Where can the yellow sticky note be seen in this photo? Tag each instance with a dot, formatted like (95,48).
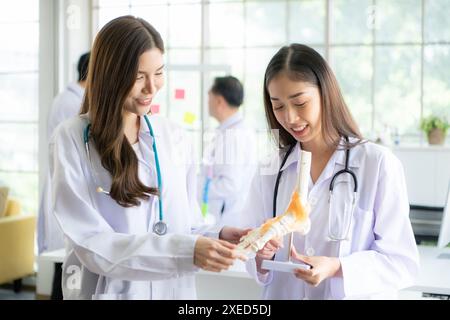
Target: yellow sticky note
(189,117)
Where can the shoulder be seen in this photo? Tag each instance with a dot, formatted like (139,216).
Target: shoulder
(373,155)
(167,128)
(70,129)
(174,137)
(66,97)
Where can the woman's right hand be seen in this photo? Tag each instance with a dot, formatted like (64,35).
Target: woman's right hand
(215,255)
(267,253)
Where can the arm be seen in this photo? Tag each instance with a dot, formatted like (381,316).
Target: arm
(392,260)
(96,244)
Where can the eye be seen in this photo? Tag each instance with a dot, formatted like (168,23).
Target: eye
(159,73)
(277,107)
(140,77)
(300,104)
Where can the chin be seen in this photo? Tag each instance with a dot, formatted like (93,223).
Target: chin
(142,111)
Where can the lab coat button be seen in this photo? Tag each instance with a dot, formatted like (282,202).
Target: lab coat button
(310,252)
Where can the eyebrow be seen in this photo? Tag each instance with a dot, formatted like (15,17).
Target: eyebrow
(290,97)
(159,69)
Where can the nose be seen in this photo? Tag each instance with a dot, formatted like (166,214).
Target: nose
(291,115)
(150,86)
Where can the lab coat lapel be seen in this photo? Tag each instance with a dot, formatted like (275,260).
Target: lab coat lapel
(146,145)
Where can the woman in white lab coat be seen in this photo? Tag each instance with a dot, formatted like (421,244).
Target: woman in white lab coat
(105,183)
(378,255)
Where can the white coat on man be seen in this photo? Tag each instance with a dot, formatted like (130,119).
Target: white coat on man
(231,160)
(66,105)
(111,251)
(381,255)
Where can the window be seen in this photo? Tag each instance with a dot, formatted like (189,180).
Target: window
(19,100)
(390,57)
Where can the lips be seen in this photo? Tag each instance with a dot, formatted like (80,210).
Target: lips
(144,101)
(300,130)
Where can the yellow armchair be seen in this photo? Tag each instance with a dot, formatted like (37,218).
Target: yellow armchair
(16,243)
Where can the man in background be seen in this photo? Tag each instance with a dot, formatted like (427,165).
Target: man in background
(68,103)
(229,162)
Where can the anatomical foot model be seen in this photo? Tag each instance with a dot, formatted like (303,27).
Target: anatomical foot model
(295,218)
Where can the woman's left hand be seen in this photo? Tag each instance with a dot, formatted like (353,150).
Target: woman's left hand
(232,234)
(321,268)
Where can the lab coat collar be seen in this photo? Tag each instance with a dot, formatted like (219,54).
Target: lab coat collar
(231,121)
(144,130)
(338,157)
(355,154)
(292,158)
(76,89)
(145,139)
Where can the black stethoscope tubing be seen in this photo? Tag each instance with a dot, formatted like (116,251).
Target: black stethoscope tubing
(345,170)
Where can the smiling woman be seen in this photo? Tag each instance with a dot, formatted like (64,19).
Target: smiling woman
(360,244)
(128,208)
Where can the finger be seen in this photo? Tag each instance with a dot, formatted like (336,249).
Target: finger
(229,254)
(299,256)
(212,269)
(219,262)
(229,250)
(270,247)
(277,242)
(227,244)
(301,274)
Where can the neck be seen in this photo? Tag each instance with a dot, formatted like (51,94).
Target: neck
(82,84)
(131,126)
(320,154)
(226,114)
(317,147)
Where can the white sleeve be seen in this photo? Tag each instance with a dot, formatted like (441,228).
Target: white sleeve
(392,261)
(253,216)
(198,224)
(234,163)
(102,250)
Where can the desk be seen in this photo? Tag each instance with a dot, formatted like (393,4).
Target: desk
(434,274)
(235,283)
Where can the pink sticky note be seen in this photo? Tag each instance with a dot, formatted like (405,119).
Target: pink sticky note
(154,108)
(179,94)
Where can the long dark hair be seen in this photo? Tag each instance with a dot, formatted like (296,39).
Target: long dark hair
(113,68)
(302,63)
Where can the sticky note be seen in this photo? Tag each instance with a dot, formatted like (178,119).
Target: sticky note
(179,94)
(189,117)
(154,108)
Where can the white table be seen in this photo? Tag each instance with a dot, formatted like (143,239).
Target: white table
(434,274)
(434,278)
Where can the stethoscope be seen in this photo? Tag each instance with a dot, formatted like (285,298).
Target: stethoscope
(347,217)
(159,227)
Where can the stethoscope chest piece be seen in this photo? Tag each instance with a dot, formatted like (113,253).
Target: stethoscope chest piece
(160,228)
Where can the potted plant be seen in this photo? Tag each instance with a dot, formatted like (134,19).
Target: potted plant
(435,128)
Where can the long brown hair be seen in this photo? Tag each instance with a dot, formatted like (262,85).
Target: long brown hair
(302,63)
(113,69)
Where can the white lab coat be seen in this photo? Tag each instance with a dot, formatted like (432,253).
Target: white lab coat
(232,159)
(381,256)
(111,251)
(66,105)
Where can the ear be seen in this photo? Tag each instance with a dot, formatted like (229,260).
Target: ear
(221,101)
